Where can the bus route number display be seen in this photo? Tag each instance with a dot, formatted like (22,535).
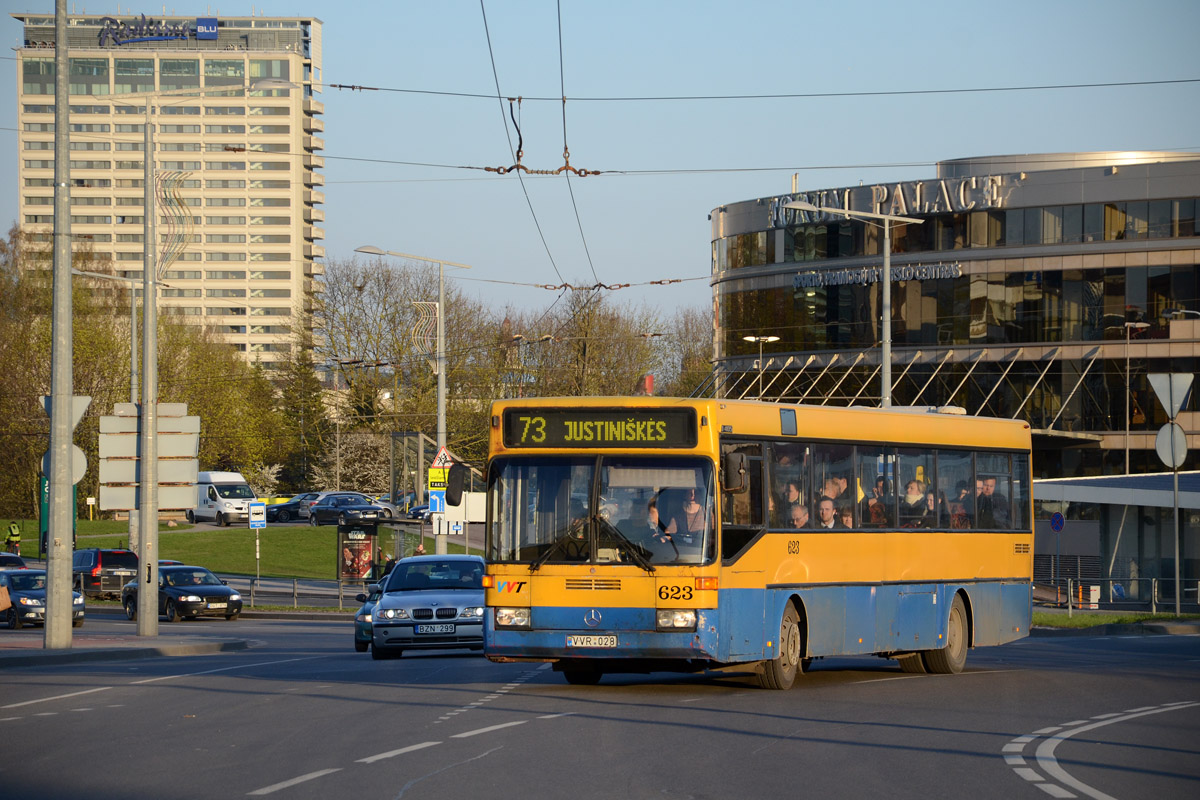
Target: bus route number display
(599,427)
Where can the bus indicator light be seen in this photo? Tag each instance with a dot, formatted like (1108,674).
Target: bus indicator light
(706,584)
(489,581)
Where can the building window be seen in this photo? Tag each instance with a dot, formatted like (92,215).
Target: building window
(176,73)
(133,75)
(89,76)
(224,72)
(226,275)
(38,76)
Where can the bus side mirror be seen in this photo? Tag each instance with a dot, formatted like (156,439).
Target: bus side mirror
(456,478)
(735,477)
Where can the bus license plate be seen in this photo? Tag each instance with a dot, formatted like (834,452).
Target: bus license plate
(591,641)
(435,629)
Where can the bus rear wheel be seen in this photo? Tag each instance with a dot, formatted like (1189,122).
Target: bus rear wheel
(953,657)
(780,672)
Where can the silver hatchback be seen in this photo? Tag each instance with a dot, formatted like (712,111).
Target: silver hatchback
(430,603)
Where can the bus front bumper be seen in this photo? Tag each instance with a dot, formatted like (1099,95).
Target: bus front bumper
(611,642)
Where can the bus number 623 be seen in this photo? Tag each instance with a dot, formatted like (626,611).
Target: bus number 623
(675,593)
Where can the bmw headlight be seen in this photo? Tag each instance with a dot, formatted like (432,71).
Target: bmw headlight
(363,617)
(394,613)
(190,598)
(235,596)
(473,612)
(512,617)
(673,619)
(29,601)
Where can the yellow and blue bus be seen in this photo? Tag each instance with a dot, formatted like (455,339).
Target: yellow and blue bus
(645,534)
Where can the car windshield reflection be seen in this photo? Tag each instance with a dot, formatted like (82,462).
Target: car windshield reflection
(190,577)
(436,575)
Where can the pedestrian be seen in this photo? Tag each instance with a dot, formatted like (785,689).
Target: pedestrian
(420,551)
(12,542)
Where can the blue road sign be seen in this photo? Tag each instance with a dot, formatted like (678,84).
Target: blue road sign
(1057,521)
(258,515)
(437,501)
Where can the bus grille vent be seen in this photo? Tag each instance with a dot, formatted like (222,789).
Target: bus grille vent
(588,584)
(1021,547)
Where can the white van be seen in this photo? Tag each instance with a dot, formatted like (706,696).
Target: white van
(223,497)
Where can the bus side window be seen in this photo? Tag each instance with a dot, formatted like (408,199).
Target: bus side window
(742,512)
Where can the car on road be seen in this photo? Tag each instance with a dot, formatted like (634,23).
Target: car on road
(344,508)
(295,508)
(11,561)
(27,593)
(419,512)
(362,617)
(101,572)
(430,602)
(186,592)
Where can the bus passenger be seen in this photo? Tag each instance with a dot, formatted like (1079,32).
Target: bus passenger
(826,516)
(688,525)
(846,516)
(912,505)
(798,515)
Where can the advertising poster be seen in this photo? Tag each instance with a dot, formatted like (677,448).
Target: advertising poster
(355,546)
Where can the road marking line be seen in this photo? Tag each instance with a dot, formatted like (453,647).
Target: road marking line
(1074,723)
(555,716)
(1014,761)
(1024,739)
(46,714)
(1047,761)
(223,669)
(1045,731)
(1013,748)
(478,731)
(1137,710)
(1107,716)
(56,697)
(400,752)
(1053,789)
(1029,774)
(285,784)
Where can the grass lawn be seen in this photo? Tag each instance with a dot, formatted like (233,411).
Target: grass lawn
(296,551)
(1059,619)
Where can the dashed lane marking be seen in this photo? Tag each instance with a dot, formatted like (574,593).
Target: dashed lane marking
(393,753)
(488,729)
(56,697)
(1056,781)
(303,778)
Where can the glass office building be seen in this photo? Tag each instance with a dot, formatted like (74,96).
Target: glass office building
(1043,287)
(240,223)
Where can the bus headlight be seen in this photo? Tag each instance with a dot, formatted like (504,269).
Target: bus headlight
(512,617)
(675,619)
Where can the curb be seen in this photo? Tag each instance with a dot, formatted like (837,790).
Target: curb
(1124,629)
(82,655)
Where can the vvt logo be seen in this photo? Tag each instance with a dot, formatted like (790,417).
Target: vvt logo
(206,27)
(512,587)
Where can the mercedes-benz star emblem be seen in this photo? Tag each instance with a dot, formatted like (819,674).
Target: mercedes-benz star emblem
(591,618)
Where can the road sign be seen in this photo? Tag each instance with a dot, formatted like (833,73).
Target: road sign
(178,444)
(1057,521)
(1171,445)
(437,501)
(442,459)
(78,463)
(79,404)
(258,515)
(1172,389)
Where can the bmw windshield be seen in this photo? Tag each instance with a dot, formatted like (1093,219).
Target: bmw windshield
(638,510)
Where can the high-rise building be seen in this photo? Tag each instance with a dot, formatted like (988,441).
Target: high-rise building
(240,212)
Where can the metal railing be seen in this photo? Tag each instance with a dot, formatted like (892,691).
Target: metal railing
(1131,594)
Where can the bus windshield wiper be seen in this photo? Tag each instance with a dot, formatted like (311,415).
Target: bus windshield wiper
(630,547)
(554,545)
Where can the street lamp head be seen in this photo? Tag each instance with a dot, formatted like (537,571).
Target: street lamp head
(760,339)
(370,250)
(1176,313)
(1137,326)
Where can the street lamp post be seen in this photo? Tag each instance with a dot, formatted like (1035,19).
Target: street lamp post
(440,546)
(760,340)
(885,349)
(1129,326)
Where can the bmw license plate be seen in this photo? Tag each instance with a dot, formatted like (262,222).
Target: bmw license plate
(216,605)
(435,629)
(592,641)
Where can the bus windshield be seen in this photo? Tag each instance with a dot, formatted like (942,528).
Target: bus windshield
(638,510)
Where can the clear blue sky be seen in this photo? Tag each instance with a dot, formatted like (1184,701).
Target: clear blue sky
(645,227)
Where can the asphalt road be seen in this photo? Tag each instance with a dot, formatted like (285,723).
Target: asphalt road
(301,715)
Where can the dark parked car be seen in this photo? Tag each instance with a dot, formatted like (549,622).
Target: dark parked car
(429,602)
(27,591)
(296,508)
(362,617)
(101,573)
(418,512)
(343,509)
(11,561)
(185,593)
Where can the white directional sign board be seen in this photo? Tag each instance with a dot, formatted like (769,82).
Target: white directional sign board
(178,445)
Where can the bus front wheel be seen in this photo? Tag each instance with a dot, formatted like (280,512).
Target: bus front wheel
(581,675)
(951,658)
(780,672)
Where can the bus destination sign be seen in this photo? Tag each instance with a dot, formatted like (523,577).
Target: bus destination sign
(599,427)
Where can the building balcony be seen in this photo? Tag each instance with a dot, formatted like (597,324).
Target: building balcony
(314,143)
(314,107)
(313,214)
(312,196)
(312,232)
(314,179)
(314,250)
(314,125)
(313,162)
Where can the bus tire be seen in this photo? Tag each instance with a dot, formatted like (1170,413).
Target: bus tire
(780,672)
(950,659)
(582,675)
(912,663)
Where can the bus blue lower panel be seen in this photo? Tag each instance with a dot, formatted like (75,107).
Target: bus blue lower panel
(837,620)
